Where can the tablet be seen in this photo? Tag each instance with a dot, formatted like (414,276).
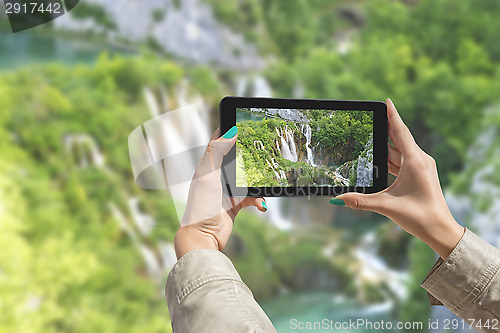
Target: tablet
(296,147)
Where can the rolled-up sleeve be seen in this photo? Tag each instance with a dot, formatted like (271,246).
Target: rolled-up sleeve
(206,294)
(468,282)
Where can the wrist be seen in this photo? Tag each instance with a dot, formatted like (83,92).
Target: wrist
(190,238)
(444,236)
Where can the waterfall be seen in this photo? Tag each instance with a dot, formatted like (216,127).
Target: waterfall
(364,170)
(275,215)
(258,145)
(374,269)
(261,87)
(306,130)
(143,222)
(156,265)
(280,174)
(89,151)
(291,142)
(288,149)
(154,108)
(285,150)
(338,178)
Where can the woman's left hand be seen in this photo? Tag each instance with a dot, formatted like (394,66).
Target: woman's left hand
(209,216)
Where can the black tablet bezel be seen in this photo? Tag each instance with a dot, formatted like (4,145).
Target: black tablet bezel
(227,108)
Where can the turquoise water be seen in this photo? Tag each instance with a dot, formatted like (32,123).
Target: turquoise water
(19,49)
(245,116)
(287,311)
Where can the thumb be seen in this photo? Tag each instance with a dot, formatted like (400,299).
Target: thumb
(374,202)
(223,145)
(216,150)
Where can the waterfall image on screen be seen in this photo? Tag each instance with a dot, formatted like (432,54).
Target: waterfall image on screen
(299,147)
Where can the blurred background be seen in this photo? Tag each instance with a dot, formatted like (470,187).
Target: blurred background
(83,249)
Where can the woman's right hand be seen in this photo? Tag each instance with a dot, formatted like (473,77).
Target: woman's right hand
(415,200)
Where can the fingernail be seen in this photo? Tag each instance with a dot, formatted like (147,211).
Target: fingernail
(264,205)
(231,133)
(337,202)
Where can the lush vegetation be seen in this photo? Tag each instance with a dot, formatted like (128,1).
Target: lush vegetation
(337,137)
(345,128)
(66,264)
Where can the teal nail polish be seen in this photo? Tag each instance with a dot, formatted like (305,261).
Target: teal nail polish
(231,133)
(264,205)
(337,202)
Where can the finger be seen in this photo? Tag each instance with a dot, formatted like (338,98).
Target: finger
(393,169)
(239,203)
(372,202)
(399,133)
(259,203)
(232,205)
(394,156)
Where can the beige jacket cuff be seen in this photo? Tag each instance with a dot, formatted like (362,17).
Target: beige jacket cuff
(196,269)
(205,293)
(467,272)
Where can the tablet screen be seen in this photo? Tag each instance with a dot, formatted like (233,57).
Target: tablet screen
(280,147)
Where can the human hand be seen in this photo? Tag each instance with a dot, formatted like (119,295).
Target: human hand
(415,200)
(208,220)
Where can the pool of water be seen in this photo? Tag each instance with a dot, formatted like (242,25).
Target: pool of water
(23,48)
(287,311)
(245,116)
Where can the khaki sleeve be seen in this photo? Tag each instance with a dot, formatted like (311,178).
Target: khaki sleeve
(206,294)
(468,283)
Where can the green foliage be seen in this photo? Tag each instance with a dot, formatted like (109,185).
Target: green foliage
(73,264)
(204,80)
(258,172)
(158,14)
(90,10)
(344,128)
(436,59)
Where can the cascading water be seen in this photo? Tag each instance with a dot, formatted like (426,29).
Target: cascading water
(89,151)
(288,149)
(291,142)
(374,269)
(280,174)
(285,150)
(257,144)
(306,130)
